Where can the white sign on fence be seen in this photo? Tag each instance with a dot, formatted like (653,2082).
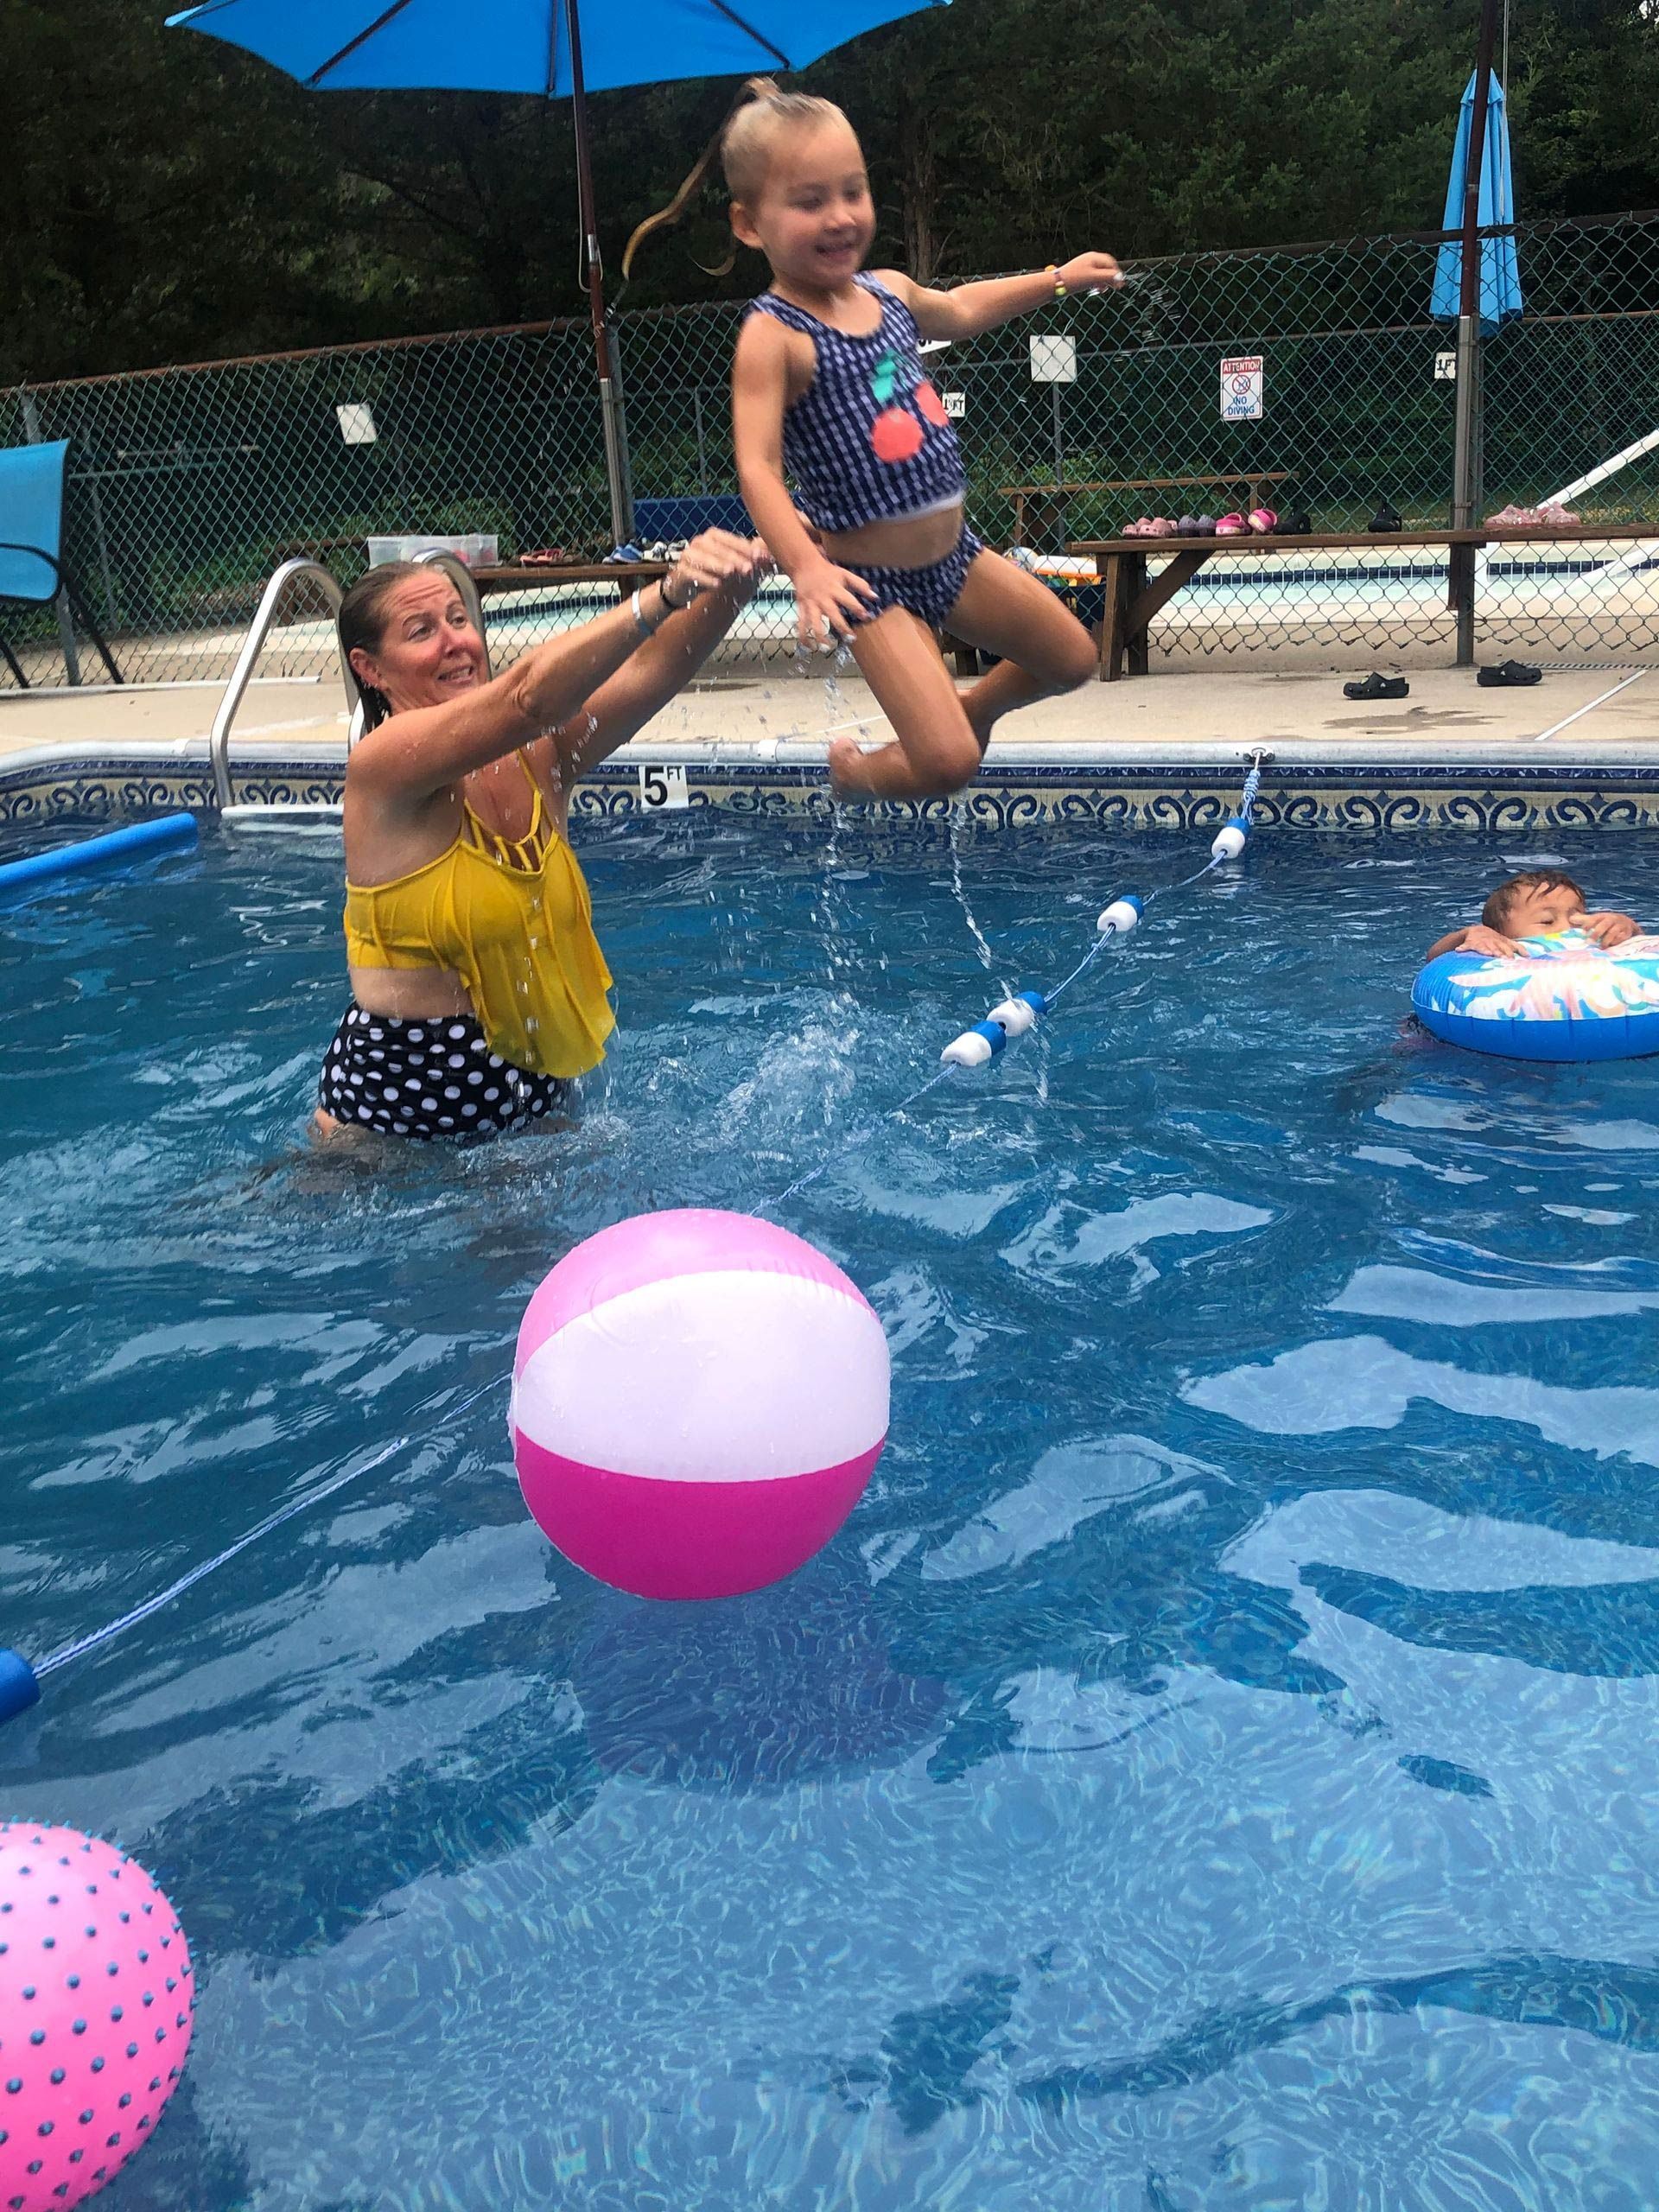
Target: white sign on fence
(1054,360)
(356,420)
(1240,388)
(1445,368)
(955,404)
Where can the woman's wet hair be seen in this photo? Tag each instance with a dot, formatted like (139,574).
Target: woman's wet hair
(362,622)
(1496,912)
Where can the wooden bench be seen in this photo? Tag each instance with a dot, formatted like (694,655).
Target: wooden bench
(1252,482)
(1131,600)
(521,576)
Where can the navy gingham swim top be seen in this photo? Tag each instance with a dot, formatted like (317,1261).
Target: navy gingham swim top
(868,439)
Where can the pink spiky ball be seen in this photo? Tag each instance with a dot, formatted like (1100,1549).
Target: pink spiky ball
(96,1996)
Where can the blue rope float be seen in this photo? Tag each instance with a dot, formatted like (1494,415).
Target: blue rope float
(978,1046)
(19,1682)
(1014,1016)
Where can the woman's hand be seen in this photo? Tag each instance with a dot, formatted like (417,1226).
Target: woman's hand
(716,561)
(830,603)
(1090,272)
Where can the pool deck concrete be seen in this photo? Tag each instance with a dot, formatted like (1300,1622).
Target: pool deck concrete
(1581,715)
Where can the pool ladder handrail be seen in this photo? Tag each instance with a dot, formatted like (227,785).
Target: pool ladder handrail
(282,583)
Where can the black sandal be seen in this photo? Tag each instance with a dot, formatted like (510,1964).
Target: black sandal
(1386,518)
(1378,687)
(1509,675)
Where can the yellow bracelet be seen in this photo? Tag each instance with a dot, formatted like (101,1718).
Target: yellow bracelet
(1059,280)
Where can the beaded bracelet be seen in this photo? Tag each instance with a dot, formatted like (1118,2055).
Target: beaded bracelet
(1059,280)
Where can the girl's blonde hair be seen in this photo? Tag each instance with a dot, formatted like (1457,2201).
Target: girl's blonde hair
(755,121)
(765,113)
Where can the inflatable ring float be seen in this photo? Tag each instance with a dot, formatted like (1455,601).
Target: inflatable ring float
(1562,998)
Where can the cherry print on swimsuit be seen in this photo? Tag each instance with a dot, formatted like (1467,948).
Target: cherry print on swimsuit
(896,435)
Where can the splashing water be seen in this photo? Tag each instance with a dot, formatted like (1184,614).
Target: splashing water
(987,958)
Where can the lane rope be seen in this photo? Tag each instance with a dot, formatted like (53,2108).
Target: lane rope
(1019,1013)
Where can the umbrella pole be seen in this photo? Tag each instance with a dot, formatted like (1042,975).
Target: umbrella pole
(610,399)
(1466,461)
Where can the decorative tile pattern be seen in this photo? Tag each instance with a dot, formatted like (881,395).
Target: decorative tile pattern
(1527,797)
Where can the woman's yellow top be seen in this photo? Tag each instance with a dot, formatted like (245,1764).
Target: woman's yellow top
(513,918)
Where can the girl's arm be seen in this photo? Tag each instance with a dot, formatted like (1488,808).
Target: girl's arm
(625,702)
(971,309)
(824,594)
(418,753)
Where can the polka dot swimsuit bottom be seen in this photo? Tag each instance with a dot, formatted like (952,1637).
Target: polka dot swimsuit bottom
(435,1077)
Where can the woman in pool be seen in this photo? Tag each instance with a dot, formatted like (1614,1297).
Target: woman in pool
(478,990)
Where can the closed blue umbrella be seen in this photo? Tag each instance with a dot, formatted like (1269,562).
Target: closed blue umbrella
(1500,271)
(561,48)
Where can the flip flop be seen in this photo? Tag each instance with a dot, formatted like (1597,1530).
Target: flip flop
(1377,687)
(1300,525)
(1386,518)
(1509,675)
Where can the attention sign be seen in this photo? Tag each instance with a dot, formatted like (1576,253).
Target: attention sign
(1240,388)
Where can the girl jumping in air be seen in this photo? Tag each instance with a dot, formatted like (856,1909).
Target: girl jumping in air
(828,383)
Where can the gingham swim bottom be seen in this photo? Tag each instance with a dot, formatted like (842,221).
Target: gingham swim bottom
(432,1078)
(929,593)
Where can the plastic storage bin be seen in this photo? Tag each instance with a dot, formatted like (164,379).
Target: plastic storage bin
(476,550)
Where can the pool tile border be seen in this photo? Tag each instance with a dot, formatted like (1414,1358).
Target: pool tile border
(1360,795)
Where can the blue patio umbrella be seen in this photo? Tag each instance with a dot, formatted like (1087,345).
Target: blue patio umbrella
(560,49)
(1500,271)
(535,45)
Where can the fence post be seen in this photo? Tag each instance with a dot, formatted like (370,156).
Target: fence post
(60,603)
(618,467)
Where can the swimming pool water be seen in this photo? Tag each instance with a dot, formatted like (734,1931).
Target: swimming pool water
(1213,1769)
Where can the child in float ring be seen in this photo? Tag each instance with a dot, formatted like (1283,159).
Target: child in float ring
(1539,902)
(827,383)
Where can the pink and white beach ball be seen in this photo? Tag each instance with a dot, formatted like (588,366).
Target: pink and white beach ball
(698,1401)
(95,2001)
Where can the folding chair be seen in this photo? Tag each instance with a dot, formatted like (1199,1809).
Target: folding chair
(32,571)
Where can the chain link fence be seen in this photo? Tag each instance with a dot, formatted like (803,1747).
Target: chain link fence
(187,485)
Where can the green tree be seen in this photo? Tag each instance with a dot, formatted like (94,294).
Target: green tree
(174,199)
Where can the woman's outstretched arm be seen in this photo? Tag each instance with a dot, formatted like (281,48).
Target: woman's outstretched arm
(421,752)
(661,669)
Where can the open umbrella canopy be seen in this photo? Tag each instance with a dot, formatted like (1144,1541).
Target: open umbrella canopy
(522,46)
(1500,271)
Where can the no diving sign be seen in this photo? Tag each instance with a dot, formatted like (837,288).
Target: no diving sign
(1240,388)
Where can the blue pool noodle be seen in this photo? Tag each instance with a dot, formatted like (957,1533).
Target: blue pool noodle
(18,1687)
(165,834)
